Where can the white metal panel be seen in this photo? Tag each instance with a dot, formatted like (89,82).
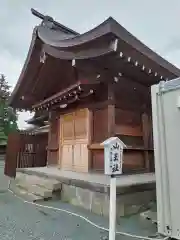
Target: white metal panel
(166,131)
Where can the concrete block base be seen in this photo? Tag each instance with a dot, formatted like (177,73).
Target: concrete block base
(127,204)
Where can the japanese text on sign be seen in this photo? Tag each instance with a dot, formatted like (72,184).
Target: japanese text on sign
(115,159)
(113,154)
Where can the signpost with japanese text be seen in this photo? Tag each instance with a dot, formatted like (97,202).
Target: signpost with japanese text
(113,161)
(113,156)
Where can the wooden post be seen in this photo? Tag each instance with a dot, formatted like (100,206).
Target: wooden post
(112,209)
(90,134)
(113,153)
(145,127)
(53,140)
(111,111)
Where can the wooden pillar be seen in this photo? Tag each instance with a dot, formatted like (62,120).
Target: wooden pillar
(90,134)
(111,111)
(53,140)
(145,128)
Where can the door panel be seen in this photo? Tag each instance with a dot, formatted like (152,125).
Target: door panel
(67,156)
(80,124)
(80,157)
(67,127)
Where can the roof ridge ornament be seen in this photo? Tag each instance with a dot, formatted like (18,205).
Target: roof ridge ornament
(50,22)
(46,20)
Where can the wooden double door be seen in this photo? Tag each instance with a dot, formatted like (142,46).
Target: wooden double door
(74,140)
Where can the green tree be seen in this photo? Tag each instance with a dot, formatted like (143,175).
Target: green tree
(8,117)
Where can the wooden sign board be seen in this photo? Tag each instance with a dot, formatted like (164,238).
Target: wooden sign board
(113,156)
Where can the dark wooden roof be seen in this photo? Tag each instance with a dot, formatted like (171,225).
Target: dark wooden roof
(39,118)
(109,46)
(110,26)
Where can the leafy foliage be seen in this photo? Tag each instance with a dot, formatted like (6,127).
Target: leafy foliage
(8,117)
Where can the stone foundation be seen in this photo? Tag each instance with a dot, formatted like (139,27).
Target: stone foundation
(94,196)
(127,202)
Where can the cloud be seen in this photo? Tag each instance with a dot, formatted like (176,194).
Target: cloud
(173,45)
(154,22)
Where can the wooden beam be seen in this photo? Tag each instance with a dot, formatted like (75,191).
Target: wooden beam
(98,146)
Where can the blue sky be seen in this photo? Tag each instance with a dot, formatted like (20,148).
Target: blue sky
(155,22)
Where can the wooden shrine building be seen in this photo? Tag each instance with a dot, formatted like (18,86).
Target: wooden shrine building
(93,86)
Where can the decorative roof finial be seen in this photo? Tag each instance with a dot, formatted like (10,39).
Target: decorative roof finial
(46,20)
(50,22)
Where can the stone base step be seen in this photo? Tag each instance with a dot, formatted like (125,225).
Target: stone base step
(24,194)
(35,189)
(49,184)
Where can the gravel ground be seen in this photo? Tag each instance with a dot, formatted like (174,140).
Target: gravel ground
(22,221)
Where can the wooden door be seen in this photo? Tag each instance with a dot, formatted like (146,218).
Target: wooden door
(74,141)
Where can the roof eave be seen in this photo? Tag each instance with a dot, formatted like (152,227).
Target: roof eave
(24,69)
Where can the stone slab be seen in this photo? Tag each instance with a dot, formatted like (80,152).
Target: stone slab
(36,190)
(24,194)
(96,180)
(25,179)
